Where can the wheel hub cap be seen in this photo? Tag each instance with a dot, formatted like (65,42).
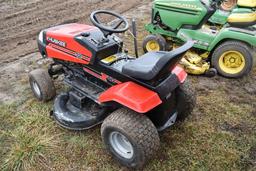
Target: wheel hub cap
(121,145)
(152,46)
(36,89)
(232,62)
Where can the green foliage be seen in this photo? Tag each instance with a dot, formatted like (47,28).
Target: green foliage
(26,140)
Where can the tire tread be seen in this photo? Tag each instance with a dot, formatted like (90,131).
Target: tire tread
(45,83)
(139,127)
(229,45)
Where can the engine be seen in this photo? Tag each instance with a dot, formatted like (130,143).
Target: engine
(77,43)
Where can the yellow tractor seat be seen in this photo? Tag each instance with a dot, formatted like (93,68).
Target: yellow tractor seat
(247,3)
(242,19)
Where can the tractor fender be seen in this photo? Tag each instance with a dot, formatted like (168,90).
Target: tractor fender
(234,34)
(131,95)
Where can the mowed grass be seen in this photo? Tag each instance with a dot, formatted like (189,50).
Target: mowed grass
(219,135)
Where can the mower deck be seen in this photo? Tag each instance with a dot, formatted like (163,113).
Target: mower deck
(70,116)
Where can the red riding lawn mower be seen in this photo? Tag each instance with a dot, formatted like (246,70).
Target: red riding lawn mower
(135,98)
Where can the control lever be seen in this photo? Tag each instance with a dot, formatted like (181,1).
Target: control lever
(102,41)
(134,32)
(126,54)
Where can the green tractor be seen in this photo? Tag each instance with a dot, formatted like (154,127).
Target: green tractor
(224,33)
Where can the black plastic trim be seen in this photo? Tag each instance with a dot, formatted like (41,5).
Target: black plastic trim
(99,51)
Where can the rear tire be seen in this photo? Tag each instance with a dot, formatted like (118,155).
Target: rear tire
(42,85)
(154,43)
(140,137)
(233,59)
(186,100)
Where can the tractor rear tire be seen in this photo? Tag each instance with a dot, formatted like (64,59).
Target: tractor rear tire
(130,137)
(42,85)
(158,43)
(227,50)
(186,100)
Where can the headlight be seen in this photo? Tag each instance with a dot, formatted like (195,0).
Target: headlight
(41,36)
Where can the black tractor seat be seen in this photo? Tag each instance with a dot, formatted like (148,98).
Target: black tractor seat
(149,65)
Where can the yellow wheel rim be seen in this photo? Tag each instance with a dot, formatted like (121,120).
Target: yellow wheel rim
(152,45)
(232,62)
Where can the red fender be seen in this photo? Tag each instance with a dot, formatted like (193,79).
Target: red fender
(133,96)
(180,73)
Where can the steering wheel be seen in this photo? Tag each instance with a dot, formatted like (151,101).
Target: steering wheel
(110,29)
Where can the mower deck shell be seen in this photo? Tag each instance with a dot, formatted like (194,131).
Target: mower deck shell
(71,117)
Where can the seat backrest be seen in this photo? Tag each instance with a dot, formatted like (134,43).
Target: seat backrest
(170,59)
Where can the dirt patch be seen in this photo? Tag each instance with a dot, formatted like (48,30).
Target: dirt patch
(237,128)
(22,20)
(14,78)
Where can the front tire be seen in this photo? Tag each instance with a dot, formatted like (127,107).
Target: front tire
(154,43)
(233,59)
(186,100)
(130,137)
(42,85)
